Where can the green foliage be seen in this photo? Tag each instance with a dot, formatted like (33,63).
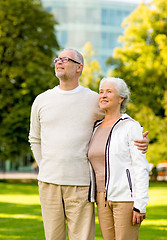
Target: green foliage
(27,43)
(142,62)
(143,56)
(92,73)
(157,133)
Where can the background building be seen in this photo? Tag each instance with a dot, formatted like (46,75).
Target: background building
(94,21)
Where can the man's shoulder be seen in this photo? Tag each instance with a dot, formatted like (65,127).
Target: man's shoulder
(42,97)
(46,93)
(90,92)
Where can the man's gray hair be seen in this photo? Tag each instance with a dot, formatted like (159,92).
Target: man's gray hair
(78,56)
(121,88)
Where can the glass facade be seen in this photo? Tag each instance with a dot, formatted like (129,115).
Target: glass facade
(94,21)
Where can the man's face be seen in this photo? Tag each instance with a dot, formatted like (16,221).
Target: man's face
(68,69)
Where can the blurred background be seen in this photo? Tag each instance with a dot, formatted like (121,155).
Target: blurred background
(121,38)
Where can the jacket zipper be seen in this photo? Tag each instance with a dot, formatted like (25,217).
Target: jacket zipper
(129,181)
(107,164)
(91,189)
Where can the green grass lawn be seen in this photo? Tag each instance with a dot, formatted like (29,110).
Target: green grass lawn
(20,213)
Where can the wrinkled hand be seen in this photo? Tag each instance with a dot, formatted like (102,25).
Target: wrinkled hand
(143,143)
(138,217)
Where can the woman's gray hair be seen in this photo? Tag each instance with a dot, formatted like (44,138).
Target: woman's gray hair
(121,88)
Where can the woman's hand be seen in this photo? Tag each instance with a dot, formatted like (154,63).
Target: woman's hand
(143,143)
(138,217)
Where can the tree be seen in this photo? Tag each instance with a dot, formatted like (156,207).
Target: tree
(92,72)
(27,44)
(142,62)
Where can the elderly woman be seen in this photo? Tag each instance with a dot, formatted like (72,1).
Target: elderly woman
(121,170)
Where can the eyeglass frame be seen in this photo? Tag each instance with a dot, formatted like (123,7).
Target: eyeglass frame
(67,59)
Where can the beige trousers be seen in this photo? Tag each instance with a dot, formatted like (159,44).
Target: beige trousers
(61,204)
(115,219)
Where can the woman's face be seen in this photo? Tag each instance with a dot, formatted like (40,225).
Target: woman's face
(109,98)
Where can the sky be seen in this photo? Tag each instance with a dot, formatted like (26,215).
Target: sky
(129,1)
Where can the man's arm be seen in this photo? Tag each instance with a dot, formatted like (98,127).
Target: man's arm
(35,134)
(143,143)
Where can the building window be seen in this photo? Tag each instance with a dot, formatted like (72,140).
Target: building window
(104,16)
(112,17)
(104,40)
(112,40)
(64,37)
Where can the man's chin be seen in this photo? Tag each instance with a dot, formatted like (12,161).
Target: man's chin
(58,74)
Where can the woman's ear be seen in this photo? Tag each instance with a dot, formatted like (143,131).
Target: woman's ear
(121,99)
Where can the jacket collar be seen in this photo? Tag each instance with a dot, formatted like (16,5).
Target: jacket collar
(123,117)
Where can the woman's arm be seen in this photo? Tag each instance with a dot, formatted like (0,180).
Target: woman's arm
(138,217)
(140,168)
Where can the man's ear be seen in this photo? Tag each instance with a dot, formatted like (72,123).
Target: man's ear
(79,68)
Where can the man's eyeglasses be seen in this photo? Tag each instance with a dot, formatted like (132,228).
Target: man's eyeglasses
(65,60)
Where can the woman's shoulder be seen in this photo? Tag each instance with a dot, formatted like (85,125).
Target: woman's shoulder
(130,121)
(131,126)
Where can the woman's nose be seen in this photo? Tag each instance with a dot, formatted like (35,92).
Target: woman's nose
(103,95)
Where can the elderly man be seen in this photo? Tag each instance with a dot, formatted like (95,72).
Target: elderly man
(62,119)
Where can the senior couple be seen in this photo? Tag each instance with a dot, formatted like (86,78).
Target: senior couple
(85,156)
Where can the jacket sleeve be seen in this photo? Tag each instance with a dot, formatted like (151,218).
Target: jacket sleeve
(34,134)
(140,168)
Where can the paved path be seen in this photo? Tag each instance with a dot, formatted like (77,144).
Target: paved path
(18,175)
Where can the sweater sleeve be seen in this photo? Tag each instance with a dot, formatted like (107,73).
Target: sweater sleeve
(141,169)
(34,134)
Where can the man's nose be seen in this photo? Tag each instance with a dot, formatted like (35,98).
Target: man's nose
(59,60)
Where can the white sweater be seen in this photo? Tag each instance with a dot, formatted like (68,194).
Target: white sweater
(60,129)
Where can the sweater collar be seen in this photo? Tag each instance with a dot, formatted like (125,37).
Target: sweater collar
(75,90)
